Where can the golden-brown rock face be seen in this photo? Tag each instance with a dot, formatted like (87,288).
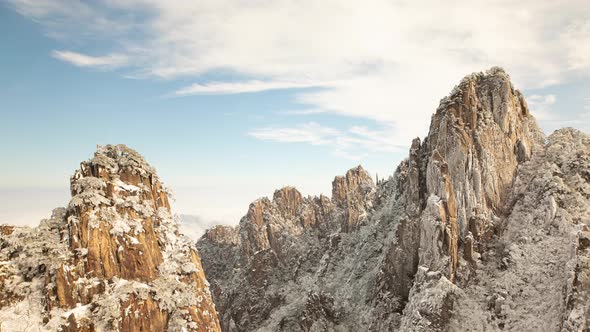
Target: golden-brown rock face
(122,264)
(350,192)
(268,223)
(478,137)
(223,235)
(6,230)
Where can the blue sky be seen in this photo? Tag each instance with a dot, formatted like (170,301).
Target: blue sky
(230,100)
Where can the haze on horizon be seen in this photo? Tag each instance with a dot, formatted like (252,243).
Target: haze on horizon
(231,100)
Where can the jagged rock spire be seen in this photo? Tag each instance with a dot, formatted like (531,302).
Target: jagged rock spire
(479,135)
(266,237)
(123,265)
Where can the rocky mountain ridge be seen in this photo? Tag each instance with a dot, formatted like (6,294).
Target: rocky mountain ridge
(484,227)
(433,247)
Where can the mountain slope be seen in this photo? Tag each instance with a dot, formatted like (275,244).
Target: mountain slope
(435,247)
(112,261)
(536,277)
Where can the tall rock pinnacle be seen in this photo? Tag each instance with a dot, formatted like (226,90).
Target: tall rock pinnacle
(117,260)
(478,137)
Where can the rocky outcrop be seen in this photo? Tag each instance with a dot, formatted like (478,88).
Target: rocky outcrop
(271,224)
(467,164)
(114,260)
(353,193)
(477,138)
(450,238)
(270,246)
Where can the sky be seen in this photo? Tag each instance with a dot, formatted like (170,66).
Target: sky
(230,99)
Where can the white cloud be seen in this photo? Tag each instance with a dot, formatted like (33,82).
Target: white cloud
(74,21)
(311,133)
(307,111)
(577,40)
(389,61)
(82,60)
(549,99)
(195,226)
(353,143)
(540,106)
(221,88)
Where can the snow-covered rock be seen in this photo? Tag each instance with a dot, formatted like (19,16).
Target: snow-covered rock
(114,260)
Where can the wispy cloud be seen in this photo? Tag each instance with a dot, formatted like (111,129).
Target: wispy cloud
(223,88)
(353,143)
(391,61)
(311,133)
(577,38)
(540,106)
(83,60)
(307,111)
(84,21)
(195,226)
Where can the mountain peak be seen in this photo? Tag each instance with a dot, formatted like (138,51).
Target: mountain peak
(118,260)
(457,213)
(481,97)
(477,138)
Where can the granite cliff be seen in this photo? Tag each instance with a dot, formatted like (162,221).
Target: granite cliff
(113,260)
(482,228)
